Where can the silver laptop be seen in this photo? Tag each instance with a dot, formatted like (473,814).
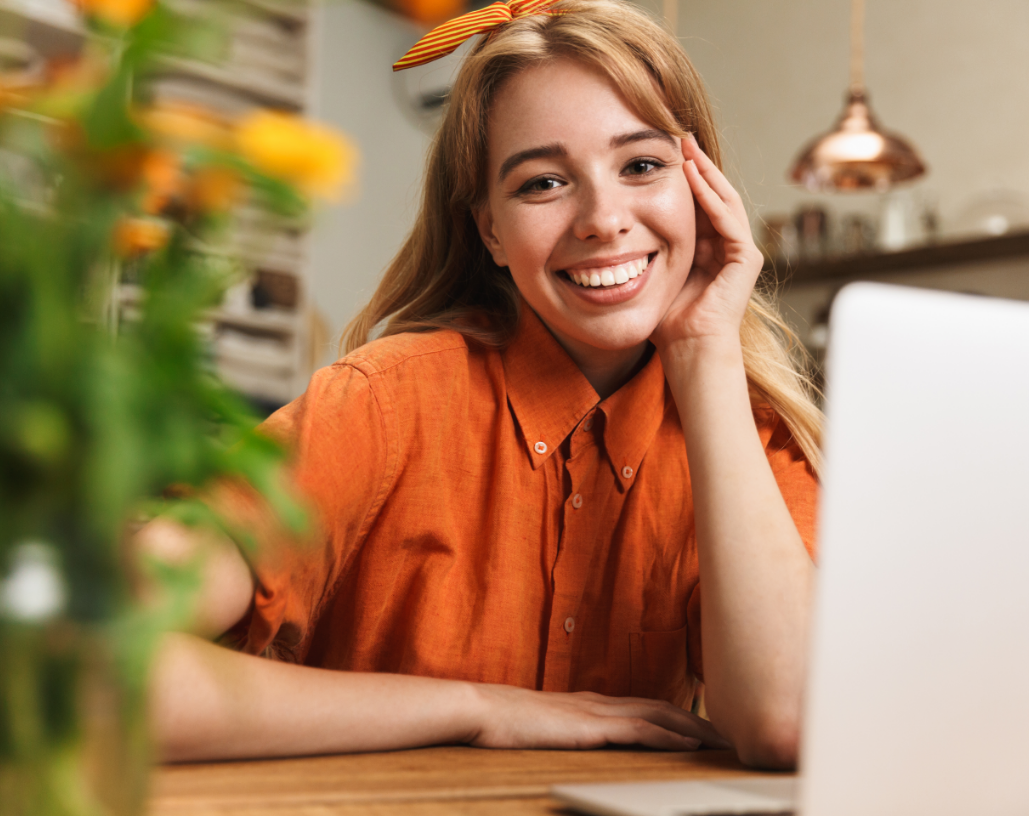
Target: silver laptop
(918,694)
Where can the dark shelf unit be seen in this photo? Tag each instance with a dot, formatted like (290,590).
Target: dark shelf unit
(931,256)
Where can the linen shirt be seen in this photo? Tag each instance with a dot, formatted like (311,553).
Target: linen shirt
(485,516)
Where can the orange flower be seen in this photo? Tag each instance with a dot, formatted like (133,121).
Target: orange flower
(213,189)
(162,177)
(431,11)
(118,13)
(135,236)
(313,157)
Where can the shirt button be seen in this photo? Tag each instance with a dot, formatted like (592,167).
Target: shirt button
(576,503)
(540,448)
(627,472)
(588,423)
(569,625)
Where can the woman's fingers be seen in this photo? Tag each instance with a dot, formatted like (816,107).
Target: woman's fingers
(713,176)
(671,718)
(519,718)
(640,731)
(722,218)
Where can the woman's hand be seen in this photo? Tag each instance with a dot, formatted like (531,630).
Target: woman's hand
(726,262)
(513,717)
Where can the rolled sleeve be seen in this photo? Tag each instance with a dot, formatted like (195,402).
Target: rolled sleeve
(339,461)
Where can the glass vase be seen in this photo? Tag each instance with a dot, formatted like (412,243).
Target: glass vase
(73,728)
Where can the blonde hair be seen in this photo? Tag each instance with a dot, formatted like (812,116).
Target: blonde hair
(443,276)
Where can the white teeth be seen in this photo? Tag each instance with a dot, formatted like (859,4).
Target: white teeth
(610,275)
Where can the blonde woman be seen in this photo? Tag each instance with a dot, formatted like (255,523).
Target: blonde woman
(577,415)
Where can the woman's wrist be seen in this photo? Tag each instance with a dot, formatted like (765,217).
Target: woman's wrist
(475,710)
(686,354)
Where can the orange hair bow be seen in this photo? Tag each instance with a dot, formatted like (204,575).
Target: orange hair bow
(447,37)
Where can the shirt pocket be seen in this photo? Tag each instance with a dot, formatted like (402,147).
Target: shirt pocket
(657,667)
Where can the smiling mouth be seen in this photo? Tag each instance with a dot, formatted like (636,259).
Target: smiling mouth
(601,277)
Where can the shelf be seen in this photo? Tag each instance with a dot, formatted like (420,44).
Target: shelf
(279,94)
(296,12)
(281,322)
(275,321)
(58,35)
(254,259)
(54,30)
(260,386)
(51,33)
(279,367)
(933,256)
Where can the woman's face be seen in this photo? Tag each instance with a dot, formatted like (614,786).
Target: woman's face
(588,207)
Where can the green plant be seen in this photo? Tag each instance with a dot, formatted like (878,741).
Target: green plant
(99,416)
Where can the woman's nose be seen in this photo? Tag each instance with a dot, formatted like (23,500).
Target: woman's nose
(604,213)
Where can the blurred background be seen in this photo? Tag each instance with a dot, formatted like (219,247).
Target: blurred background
(947,76)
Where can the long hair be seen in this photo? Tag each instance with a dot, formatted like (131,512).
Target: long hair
(443,276)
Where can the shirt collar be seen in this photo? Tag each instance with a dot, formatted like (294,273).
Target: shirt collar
(550,396)
(547,392)
(632,416)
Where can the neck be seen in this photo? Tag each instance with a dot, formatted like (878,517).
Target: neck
(607,370)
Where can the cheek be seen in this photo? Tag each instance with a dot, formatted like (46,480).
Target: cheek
(675,216)
(531,234)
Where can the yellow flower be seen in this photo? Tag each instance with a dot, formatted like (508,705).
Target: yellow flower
(313,157)
(119,13)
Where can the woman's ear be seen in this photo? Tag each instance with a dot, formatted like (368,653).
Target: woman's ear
(484,221)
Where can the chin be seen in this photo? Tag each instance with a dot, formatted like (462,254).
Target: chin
(619,337)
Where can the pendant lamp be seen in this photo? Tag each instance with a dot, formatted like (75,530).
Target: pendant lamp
(856,154)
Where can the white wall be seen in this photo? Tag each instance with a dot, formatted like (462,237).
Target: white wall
(357,44)
(949,75)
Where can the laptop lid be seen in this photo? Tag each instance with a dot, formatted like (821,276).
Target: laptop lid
(918,697)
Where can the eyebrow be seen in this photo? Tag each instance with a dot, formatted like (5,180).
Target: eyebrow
(641,136)
(546,152)
(557,149)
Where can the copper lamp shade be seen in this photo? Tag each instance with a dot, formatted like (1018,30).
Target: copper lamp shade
(856,154)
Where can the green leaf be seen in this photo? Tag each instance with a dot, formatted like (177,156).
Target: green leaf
(107,122)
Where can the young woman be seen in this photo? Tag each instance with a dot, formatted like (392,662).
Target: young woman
(578,413)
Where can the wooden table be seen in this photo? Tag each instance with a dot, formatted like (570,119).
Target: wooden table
(425,782)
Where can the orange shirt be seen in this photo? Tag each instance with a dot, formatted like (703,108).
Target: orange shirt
(487,517)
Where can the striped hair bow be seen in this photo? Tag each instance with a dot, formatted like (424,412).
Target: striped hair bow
(447,37)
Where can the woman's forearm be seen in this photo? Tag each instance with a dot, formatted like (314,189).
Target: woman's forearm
(209,703)
(213,703)
(756,575)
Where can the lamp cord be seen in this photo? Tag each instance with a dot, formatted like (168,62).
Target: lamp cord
(857,46)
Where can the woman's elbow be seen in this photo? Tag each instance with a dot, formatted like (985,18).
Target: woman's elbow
(772,742)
